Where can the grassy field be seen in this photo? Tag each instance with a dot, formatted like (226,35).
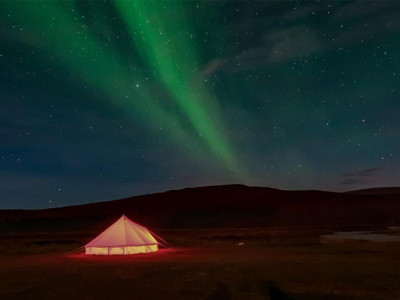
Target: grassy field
(203,264)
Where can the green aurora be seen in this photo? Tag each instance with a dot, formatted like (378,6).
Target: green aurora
(192,118)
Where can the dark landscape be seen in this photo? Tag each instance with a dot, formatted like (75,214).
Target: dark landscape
(199,150)
(226,242)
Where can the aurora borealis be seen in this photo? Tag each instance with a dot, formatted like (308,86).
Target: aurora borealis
(107,99)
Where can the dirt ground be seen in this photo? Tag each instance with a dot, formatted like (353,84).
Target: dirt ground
(208,264)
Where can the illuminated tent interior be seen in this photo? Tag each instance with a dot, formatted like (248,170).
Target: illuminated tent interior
(122,238)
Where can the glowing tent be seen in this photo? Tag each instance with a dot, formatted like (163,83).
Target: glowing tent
(121,238)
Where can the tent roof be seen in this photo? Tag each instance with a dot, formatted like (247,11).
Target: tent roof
(123,232)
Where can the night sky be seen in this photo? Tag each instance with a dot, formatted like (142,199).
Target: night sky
(103,100)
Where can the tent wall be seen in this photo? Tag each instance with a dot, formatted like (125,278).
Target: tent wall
(120,250)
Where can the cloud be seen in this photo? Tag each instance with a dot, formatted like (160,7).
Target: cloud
(294,35)
(291,43)
(280,46)
(302,12)
(359,177)
(353,181)
(213,66)
(363,173)
(364,9)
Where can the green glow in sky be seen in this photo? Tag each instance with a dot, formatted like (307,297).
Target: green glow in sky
(193,120)
(167,46)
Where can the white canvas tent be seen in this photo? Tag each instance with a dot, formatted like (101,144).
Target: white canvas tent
(121,238)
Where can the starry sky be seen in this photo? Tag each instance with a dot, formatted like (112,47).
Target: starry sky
(101,100)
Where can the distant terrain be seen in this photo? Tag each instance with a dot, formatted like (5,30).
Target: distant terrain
(224,206)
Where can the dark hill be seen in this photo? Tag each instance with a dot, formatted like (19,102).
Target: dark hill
(216,206)
(381,191)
